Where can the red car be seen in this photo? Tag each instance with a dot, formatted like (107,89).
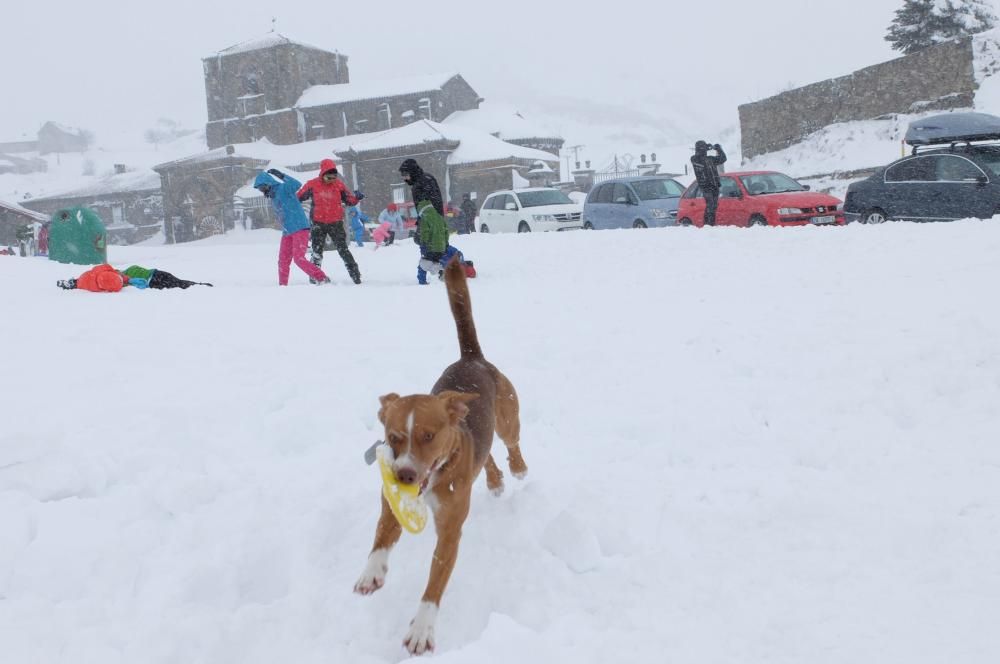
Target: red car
(762,198)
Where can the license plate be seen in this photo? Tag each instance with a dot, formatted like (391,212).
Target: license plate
(824,220)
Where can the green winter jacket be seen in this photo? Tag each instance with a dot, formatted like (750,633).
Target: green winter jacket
(138,272)
(433,229)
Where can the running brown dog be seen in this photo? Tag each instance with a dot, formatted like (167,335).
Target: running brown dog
(440,441)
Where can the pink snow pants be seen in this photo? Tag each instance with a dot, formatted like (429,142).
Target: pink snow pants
(293,247)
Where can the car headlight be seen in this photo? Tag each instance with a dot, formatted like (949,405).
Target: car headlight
(789,211)
(543,217)
(659,214)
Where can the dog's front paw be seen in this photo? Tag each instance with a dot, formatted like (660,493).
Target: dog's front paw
(420,638)
(373,577)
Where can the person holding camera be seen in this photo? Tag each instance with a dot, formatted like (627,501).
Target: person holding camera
(706,170)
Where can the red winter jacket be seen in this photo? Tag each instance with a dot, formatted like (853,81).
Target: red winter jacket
(102,279)
(327,197)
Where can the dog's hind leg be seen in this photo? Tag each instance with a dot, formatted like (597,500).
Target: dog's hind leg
(509,424)
(494,478)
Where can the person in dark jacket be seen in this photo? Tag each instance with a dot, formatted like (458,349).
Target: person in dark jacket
(328,194)
(432,230)
(706,170)
(468,215)
(423,186)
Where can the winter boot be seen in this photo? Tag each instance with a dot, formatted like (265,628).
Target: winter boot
(320,282)
(67,284)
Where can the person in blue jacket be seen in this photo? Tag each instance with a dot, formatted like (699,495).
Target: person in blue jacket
(282,190)
(358,221)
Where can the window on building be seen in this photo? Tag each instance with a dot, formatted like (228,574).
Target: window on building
(251,84)
(117,215)
(424,108)
(399,194)
(360,126)
(384,117)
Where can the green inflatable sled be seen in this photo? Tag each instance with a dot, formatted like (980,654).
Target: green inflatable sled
(77,235)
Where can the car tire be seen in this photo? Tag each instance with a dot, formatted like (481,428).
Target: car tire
(757,220)
(874,216)
(484,229)
(638,223)
(587,226)
(686,222)
(523,227)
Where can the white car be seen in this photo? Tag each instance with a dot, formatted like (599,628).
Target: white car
(529,210)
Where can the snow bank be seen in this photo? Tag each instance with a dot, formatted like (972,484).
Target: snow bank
(771,445)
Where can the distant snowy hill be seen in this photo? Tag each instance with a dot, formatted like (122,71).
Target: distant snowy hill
(78,170)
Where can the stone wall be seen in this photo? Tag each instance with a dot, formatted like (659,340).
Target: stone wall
(939,77)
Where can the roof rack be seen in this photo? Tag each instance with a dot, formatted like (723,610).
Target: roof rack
(953,144)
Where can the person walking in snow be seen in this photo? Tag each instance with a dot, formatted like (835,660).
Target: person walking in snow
(468,215)
(358,221)
(282,190)
(328,194)
(397,224)
(706,170)
(432,229)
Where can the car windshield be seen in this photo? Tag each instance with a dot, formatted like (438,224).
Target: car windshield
(989,157)
(651,190)
(770,183)
(539,198)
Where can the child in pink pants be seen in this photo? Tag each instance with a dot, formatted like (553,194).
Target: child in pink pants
(293,248)
(282,190)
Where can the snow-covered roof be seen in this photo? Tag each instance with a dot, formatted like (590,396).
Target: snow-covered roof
(323,95)
(267,152)
(66,129)
(266,41)
(14,207)
(505,122)
(474,145)
(141,180)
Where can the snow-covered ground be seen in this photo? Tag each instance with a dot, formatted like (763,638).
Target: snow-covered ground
(774,445)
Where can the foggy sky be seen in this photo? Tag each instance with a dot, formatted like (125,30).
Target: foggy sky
(114,66)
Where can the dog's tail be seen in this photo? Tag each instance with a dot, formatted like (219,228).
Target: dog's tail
(461,309)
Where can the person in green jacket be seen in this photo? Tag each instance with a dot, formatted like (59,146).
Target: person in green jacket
(158,279)
(432,236)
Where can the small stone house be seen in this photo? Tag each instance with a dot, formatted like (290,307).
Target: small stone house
(129,203)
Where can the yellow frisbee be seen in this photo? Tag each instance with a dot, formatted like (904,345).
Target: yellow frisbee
(404,499)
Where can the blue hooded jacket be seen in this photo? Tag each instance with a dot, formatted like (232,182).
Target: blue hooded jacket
(286,202)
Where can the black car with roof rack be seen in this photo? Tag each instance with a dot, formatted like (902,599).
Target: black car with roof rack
(952,172)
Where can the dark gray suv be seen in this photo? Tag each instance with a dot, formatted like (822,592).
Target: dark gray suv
(957,180)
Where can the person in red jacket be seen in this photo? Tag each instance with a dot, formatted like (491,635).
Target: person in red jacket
(100,279)
(328,193)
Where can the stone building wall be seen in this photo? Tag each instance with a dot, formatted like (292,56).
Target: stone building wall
(936,78)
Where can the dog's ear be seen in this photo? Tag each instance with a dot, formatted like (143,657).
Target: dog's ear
(386,400)
(454,403)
